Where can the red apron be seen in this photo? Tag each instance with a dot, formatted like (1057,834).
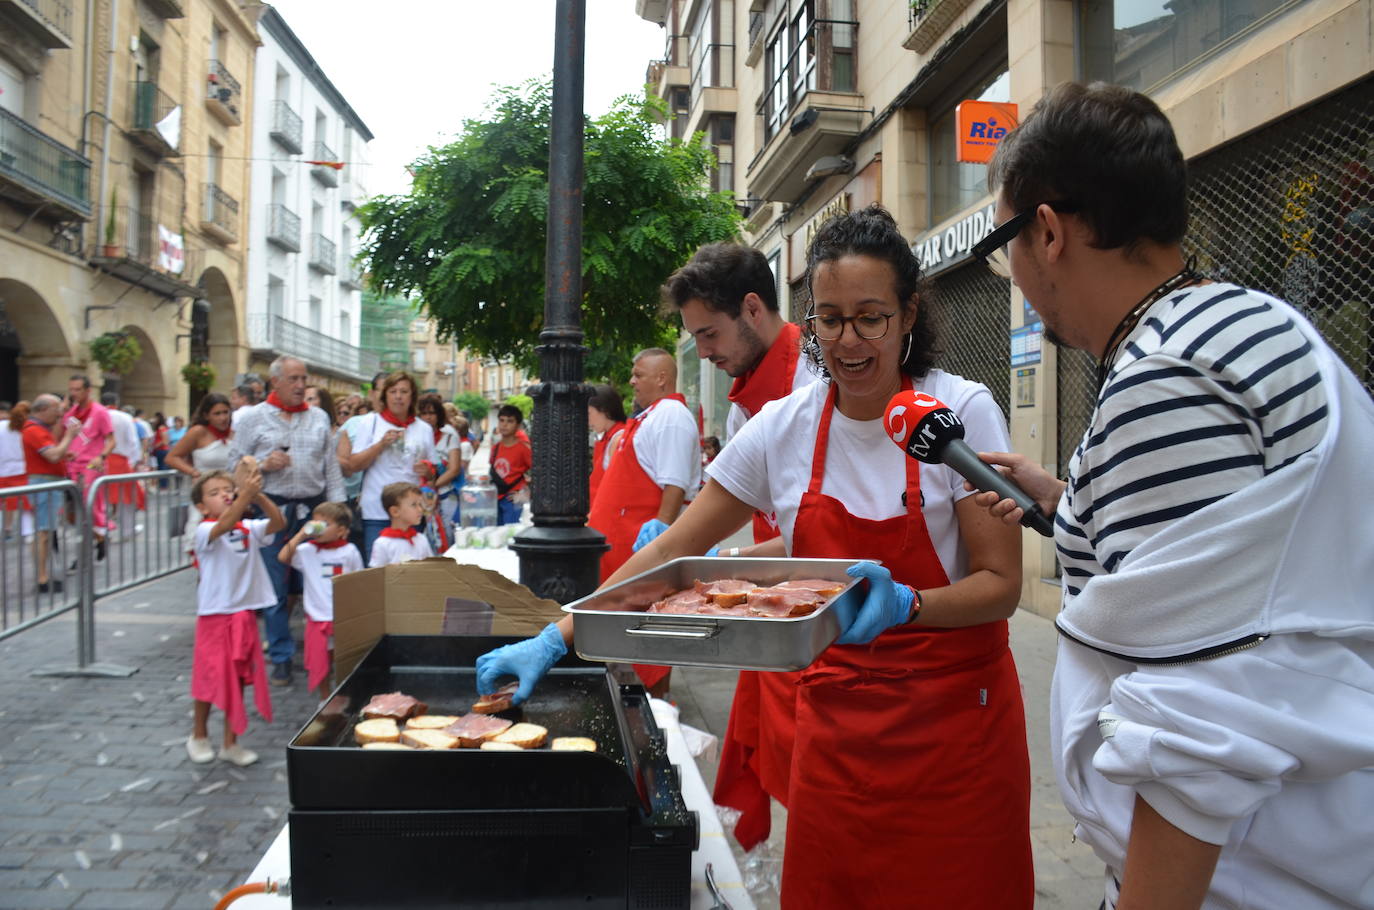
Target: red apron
(128,493)
(755,764)
(910,778)
(599,459)
(625,500)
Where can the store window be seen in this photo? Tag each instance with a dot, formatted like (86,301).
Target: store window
(955,185)
(1141,43)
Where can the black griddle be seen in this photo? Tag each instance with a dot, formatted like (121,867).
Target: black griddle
(533,829)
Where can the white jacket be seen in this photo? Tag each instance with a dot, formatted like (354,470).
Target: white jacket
(1267,749)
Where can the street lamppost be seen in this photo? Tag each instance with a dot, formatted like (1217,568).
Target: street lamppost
(560,556)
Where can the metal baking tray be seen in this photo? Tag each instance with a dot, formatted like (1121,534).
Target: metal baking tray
(612,625)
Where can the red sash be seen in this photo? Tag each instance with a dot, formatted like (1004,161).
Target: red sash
(276,402)
(599,459)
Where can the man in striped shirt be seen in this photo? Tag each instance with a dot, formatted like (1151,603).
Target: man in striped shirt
(1214,688)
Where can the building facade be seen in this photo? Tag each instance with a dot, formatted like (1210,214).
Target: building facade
(308,176)
(822,106)
(123,163)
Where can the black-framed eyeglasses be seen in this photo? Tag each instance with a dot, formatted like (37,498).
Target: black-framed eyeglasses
(992,249)
(869,326)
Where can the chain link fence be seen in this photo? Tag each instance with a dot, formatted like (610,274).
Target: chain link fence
(971,307)
(1289,210)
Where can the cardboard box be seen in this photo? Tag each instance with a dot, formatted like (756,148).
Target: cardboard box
(434,596)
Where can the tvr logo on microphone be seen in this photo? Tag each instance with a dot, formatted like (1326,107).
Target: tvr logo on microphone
(896,427)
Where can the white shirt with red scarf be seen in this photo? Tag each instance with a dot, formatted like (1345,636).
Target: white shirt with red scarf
(389,549)
(318,566)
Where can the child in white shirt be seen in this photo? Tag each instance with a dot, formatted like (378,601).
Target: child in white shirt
(402,541)
(233,583)
(320,551)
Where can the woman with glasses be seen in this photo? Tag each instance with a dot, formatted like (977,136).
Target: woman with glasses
(906,775)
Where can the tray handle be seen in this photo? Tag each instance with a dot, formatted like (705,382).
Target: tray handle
(700,634)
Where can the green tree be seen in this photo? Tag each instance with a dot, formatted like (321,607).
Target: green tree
(469,239)
(472,403)
(524,402)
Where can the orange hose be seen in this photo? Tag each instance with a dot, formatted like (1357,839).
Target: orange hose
(240,891)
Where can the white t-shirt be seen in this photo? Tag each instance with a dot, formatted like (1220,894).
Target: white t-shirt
(232,574)
(11,451)
(126,436)
(318,567)
(393,465)
(443,449)
(388,550)
(768,465)
(802,376)
(668,446)
(235,415)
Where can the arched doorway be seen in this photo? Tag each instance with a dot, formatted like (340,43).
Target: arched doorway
(34,353)
(144,386)
(215,331)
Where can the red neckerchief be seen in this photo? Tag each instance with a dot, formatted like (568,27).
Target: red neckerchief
(408,535)
(332,545)
(394,420)
(276,402)
(82,413)
(221,435)
(438,435)
(771,378)
(238,526)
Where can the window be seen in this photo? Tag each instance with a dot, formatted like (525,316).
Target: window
(955,185)
(722,137)
(276,297)
(417,359)
(316,314)
(345,328)
(12,88)
(805,54)
(1141,43)
(711,49)
(283,85)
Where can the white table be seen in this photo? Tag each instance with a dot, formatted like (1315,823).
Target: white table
(276,862)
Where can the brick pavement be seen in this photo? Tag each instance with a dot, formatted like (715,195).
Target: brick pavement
(100,808)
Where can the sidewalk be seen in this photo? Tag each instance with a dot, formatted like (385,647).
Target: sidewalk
(100,808)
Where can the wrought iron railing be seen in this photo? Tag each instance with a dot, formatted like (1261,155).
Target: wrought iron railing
(323,253)
(324,174)
(283,228)
(151,106)
(277,334)
(43,165)
(56,13)
(221,210)
(350,273)
(223,87)
(287,127)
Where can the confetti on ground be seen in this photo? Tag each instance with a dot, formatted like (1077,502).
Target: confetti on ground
(117,633)
(271,813)
(82,859)
(101,760)
(138,697)
(21,781)
(136,784)
(237,775)
(116,842)
(201,857)
(211,788)
(98,799)
(62,880)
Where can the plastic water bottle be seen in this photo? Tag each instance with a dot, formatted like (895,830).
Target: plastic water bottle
(478,498)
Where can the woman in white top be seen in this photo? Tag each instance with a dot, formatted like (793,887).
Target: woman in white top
(205,447)
(12,470)
(390,446)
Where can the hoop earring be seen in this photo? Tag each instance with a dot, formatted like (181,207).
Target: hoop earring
(907,351)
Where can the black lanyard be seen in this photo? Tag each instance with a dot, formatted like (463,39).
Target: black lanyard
(1183,277)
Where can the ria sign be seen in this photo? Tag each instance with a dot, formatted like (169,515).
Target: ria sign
(981,125)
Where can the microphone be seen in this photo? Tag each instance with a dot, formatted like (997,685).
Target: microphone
(932,433)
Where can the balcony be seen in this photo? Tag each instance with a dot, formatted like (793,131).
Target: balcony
(274,336)
(152,127)
(141,259)
(323,254)
(286,129)
(713,84)
(350,274)
(755,44)
(671,72)
(928,20)
(220,217)
(283,228)
(326,176)
(36,169)
(167,9)
(809,110)
(223,95)
(46,22)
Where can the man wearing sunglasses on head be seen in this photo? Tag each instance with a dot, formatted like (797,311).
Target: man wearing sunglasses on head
(1214,688)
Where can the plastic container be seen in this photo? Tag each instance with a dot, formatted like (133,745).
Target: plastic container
(477,501)
(314,528)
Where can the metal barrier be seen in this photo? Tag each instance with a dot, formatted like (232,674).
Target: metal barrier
(140,549)
(23,603)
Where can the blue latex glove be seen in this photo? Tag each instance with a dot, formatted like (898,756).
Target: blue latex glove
(888,604)
(714,551)
(648,531)
(527,660)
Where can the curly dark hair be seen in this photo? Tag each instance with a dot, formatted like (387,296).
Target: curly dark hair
(873,232)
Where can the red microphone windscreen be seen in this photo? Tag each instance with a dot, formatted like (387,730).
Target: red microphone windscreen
(905,411)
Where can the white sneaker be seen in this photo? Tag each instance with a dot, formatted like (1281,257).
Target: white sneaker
(200,750)
(238,755)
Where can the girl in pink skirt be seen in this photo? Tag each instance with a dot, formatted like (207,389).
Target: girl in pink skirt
(233,583)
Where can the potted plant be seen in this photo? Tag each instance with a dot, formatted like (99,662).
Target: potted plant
(111,249)
(199,375)
(116,352)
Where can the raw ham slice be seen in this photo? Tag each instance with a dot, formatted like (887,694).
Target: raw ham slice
(396,705)
(780,601)
(824,587)
(474,729)
(681,603)
(727,592)
(497,701)
(710,609)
